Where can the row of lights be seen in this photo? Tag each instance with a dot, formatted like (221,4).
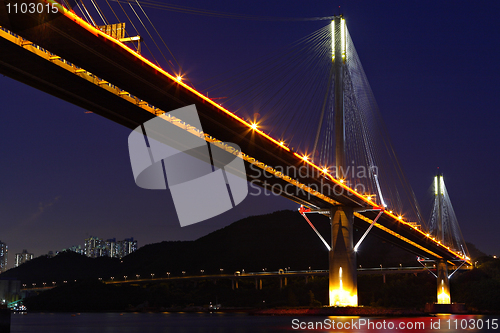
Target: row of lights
(254,125)
(368,198)
(179,79)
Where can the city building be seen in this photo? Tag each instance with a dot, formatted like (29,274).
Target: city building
(126,247)
(21,258)
(96,247)
(93,247)
(4,250)
(77,248)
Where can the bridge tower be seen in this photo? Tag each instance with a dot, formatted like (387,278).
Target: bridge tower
(343,290)
(443,284)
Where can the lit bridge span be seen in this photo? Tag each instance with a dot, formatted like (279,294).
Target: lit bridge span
(65,56)
(242,276)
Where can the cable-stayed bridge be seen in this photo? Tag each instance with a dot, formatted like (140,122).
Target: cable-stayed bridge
(348,172)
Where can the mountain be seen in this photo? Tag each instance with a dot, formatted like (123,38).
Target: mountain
(278,240)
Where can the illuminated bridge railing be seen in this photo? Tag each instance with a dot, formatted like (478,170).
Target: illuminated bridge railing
(366,200)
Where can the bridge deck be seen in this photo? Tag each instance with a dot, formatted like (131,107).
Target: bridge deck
(108,60)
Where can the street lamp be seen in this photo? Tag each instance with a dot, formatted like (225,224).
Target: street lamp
(380,266)
(183,272)
(221,270)
(152,276)
(168,274)
(137,276)
(112,278)
(125,277)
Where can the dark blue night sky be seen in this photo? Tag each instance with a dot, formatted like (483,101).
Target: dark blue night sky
(433,68)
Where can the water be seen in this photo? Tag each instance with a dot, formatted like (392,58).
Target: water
(239,323)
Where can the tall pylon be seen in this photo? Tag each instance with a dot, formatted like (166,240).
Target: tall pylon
(443,284)
(343,290)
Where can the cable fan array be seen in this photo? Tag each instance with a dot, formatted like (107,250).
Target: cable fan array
(286,93)
(449,234)
(129,12)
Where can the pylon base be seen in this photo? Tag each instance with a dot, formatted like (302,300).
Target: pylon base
(445,308)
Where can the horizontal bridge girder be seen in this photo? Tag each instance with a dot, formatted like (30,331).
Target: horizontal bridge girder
(118,65)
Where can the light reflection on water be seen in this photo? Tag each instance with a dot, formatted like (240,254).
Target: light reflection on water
(241,323)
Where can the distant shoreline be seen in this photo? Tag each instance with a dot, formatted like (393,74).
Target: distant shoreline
(300,311)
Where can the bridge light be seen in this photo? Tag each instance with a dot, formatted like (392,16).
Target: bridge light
(305,158)
(254,126)
(325,170)
(400,217)
(341,181)
(333,40)
(343,38)
(178,78)
(282,143)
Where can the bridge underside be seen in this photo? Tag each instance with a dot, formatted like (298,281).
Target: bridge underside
(110,62)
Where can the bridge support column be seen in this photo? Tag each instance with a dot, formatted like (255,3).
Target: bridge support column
(343,289)
(443,284)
